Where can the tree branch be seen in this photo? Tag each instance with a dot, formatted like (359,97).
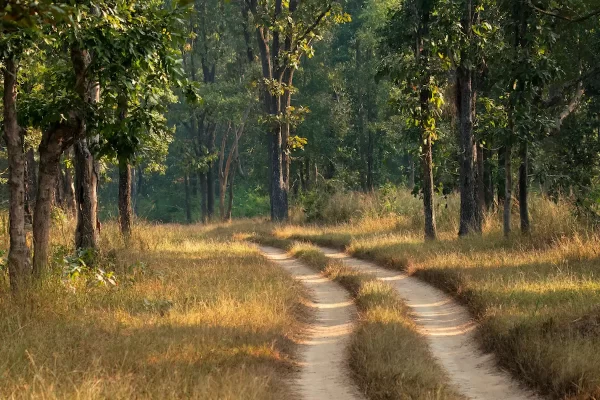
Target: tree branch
(564,18)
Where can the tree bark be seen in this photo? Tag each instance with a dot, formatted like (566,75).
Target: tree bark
(54,142)
(427,177)
(31,189)
(279,194)
(19,263)
(470,220)
(86,181)
(86,167)
(508,189)
(468,207)
(125,212)
(524,189)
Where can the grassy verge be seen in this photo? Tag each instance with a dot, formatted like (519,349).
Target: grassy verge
(537,298)
(192,316)
(389,358)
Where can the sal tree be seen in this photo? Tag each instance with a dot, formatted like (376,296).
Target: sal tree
(285,31)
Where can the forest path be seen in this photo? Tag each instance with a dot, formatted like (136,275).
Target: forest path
(449,329)
(324,373)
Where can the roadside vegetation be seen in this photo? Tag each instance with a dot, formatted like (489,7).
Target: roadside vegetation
(385,333)
(179,312)
(536,297)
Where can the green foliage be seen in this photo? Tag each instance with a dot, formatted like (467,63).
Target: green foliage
(82,265)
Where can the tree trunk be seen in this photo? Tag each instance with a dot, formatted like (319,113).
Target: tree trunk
(427,177)
(501,175)
(370,160)
(230,200)
(19,263)
(125,213)
(30,175)
(69,188)
(32,180)
(411,172)
(524,189)
(488,180)
(86,181)
(54,141)
(203,198)
(59,195)
(188,203)
(279,195)
(480,179)
(470,220)
(210,175)
(508,189)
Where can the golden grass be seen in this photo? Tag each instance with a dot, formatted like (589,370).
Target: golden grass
(193,316)
(389,358)
(537,298)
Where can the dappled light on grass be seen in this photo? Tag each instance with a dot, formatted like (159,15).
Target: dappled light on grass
(199,318)
(526,291)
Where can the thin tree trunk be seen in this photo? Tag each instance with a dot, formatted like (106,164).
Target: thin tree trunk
(508,189)
(487,179)
(210,175)
(524,189)
(203,198)
(411,172)
(501,175)
(69,189)
(19,263)
(188,203)
(480,179)
(59,195)
(134,189)
(279,200)
(370,160)
(32,180)
(125,212)
(29,196)
(428,206)
(230,200)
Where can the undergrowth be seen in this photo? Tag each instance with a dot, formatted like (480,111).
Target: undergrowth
(536,297)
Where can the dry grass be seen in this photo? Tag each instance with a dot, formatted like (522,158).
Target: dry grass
(389,358)
(193,316)
(537,297)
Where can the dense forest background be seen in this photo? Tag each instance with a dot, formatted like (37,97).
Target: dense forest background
(534,70)
(439,97)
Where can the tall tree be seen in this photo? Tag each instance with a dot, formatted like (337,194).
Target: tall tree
(285,33)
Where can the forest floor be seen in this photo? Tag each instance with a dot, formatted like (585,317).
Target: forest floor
(193,315)
(198,312)
(535,299)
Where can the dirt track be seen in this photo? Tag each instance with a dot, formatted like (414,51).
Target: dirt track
(324,372)
(449,328)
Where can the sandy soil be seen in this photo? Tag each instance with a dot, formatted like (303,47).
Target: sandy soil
(324,372)
(449,329)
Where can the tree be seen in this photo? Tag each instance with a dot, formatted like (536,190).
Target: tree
(285,33)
